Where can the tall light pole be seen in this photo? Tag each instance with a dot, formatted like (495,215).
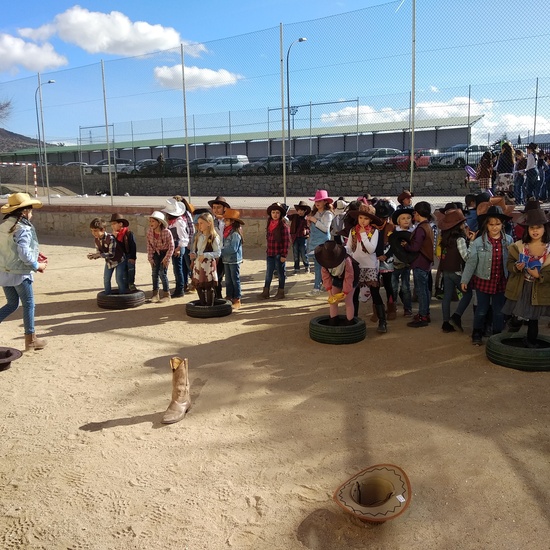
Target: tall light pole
(41,134)
(288,110)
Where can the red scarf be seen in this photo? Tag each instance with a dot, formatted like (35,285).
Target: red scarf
(121,233)
(227,230)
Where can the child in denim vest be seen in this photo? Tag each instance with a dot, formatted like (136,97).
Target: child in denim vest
(232,255)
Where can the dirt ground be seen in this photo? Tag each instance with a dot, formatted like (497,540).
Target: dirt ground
(278,423)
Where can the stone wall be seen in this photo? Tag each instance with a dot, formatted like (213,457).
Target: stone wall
(385,183)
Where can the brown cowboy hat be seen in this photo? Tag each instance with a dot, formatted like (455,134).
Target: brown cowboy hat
(330,254)
(116,217)
(233,215)
(376,494)
(369,212)
(451,218)
(19,200)
(505,209)
(219,200)
(404,195)
(303,205)
(277,206)
(533,216)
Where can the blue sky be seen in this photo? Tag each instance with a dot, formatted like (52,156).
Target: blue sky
(234,63)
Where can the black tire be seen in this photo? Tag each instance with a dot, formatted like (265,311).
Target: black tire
(460,163)
(262,170)
(221,308)
(507,350)
(210,171)
(120,301)
(321,331)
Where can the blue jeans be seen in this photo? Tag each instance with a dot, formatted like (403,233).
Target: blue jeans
(402,274)
(159,270)
(177,265)
(186,266)
(531,179)
(274,262)
(317,268)
(299,252)
(120,277)
(451,281)
(519,188)
(24,293)
(130,273)
(421,286)
(483,302)
(233,281)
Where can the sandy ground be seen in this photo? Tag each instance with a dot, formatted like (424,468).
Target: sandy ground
(278,423)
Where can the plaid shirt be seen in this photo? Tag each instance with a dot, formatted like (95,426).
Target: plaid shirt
(276,247)
(106,246)
(497,283)
(163,242)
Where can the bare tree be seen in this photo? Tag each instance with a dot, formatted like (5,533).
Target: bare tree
(5,109)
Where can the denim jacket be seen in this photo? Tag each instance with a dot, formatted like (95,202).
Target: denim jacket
(19,249)
(479,261)
(232,251)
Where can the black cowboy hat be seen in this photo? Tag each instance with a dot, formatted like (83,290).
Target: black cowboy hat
(330,254)
(7,355)
(399,211)
(395,239)
(383,208)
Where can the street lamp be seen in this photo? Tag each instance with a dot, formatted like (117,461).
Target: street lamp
(294,109)
(41,135)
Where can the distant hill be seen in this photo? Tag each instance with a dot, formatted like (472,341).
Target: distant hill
(10,142)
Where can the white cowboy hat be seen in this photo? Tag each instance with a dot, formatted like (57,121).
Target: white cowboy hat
(376,494)
(156,215)
(175,208)
(19,200)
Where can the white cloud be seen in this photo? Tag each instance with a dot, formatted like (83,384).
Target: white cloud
(195,77)
(111,33)
(15,52)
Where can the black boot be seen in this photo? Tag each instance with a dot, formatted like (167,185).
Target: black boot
(477,337)
(202,296)
(381,314)
(210,296)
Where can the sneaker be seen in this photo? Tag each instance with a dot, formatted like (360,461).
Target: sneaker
(477,339)
(456,322)
(308,270)
(313,293)
(419,321)
(447,327)
(427,318)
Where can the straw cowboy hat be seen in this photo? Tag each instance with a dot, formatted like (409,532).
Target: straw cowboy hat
(219,200)
(450,219)
(376,494)
(330,254)
(7,355)
(367,211)
(159,216)
(19,200)
(321,195)
(303,205)
(119,218)
(233,215)
(174,208)
(277,206)
(340,204)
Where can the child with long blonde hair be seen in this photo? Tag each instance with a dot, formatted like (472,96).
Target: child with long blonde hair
(206,250)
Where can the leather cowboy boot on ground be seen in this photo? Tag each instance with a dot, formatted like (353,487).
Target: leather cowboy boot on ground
(381,314)
(165,296)
(181,398)
(236,304)
(265,293)
(33,343)
(155,296)
(391,311)
(280,294)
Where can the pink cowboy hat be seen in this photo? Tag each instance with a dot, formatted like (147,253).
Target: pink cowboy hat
(322,195)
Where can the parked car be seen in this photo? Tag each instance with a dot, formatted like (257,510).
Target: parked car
(193,166)
(370,159)
(169,166)
(458,156)
(102,167)
(272,164)
(402,162)
(233,164)
(75,163)
(303,163)
(136,167)
(333,161)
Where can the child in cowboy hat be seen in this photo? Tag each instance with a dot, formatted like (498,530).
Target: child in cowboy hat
(454,253)
(405,199)
(365,244)
(127,241)
(160,247)
(188,219)
(299,234)
(218,205)
(486,267)
(232,255)
(174,213)
(528,287)
(340,277)
(320,220)
(19,259)
(205,253)
(278,242)
(107,248)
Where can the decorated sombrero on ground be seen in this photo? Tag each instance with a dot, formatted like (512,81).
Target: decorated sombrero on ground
(7,355)
(376,494)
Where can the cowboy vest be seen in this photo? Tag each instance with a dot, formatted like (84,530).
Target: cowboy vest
(427,249)
(451,260)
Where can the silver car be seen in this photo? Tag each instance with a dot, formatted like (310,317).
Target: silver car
(231,165)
